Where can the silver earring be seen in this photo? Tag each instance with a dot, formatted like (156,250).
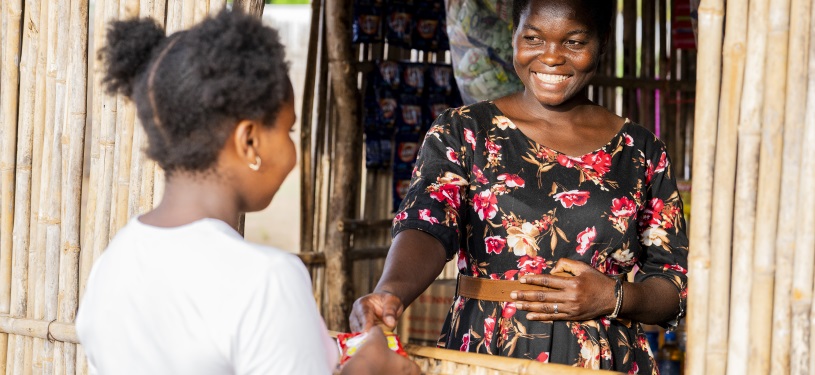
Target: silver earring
(256,165)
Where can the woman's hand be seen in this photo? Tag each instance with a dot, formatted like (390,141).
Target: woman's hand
(376,308)
(580,292)
(375,357)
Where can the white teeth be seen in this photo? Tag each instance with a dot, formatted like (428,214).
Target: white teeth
(551,78)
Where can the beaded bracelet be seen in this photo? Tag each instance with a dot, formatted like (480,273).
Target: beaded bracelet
(618,293)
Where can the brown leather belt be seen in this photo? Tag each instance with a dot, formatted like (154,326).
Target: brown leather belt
(492,290)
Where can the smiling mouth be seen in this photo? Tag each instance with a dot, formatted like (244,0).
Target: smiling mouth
(551,78)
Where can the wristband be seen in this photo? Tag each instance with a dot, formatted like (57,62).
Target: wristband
(618,294)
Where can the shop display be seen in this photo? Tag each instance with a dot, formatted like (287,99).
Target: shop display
(410,24)
(401,101)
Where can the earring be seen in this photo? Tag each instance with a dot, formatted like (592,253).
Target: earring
(256,165)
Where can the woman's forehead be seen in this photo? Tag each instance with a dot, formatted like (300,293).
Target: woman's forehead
(574,10)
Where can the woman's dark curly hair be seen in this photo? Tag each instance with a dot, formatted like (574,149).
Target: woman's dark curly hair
(192,87)
(601,13)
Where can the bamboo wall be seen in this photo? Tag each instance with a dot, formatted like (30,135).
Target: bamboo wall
(753,228)
(71,165)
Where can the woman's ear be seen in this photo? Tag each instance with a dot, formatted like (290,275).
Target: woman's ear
(246,139)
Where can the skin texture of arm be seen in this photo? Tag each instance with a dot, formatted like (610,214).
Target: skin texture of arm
(415,259)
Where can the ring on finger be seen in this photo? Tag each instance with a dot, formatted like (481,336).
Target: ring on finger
(554,310)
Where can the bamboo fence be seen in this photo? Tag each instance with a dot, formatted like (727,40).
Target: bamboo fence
(63,196)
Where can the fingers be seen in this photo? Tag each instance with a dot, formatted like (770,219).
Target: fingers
(546,311)
(549,281)
(390,312)
(565,265)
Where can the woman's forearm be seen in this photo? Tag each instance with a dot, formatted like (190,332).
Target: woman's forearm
(652,301)
(415,259)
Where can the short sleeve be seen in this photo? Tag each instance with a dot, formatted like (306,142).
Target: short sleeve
(436,200)
(281,331)
(661,228)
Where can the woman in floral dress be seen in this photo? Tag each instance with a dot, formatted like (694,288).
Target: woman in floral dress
(550,189)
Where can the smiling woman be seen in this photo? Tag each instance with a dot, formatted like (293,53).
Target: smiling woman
(550,200)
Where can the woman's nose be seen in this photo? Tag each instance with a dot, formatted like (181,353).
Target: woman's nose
(552,55)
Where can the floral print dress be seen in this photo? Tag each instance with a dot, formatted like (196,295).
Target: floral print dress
(508,206)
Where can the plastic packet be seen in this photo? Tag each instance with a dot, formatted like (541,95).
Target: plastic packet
(350,343)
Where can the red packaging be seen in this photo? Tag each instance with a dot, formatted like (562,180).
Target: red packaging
(351,342)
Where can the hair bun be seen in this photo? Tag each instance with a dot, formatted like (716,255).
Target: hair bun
(127,52)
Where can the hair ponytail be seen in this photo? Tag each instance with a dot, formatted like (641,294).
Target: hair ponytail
(128,51)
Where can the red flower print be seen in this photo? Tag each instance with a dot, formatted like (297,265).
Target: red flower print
(425,215)
(649,172)
(485,204)
(400,216)
(452,156)
(543,357)
(635,369)
(465,342)
(629,141)
(674,267)
(509,310)
(572,198)
(509,275)
(662,164)
(599,161)
(585,239)
(495,244)
(469,137)
(530,265)
(512,180)
(651,215)
(492,147)
(479,176)
(448,193)
(489,328)
(462,260)
(567,161)
(623,207)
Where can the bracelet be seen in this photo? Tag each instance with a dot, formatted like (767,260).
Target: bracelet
(618,294)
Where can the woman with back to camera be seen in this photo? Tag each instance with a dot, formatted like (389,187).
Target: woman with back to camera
(178,290)
(548,200)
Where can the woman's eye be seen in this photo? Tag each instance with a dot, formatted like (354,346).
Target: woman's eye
(532,38)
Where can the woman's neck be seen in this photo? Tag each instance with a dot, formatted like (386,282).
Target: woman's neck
(191,197)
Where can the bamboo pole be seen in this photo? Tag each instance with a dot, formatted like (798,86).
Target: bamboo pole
(174,13)
(125,123)
(254,7)
(100,101)
(22,180)
(793,128)
(345,167)
(802,341)
(39,328)
(39,178)
(55,87)
(215,6)
(711,16)
(746,183)
(733,53)
(188,14)
(201,10)
(72,154)
(769,187)
(306,123)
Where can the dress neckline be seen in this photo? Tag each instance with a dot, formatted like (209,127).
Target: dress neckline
(602,148)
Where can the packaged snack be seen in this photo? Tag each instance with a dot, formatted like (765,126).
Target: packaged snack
(440,79)
(388,74)
(413,77)
(367,27)
(350,343)
(410,119)
(399,21)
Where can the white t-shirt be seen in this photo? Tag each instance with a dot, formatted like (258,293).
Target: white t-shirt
(198,299)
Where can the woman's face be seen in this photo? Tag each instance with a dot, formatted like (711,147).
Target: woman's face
(556,50)
(278,156)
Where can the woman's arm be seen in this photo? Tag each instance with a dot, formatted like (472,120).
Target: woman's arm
(415,259)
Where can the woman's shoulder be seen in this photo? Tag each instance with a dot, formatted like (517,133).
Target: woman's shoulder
(641,137)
